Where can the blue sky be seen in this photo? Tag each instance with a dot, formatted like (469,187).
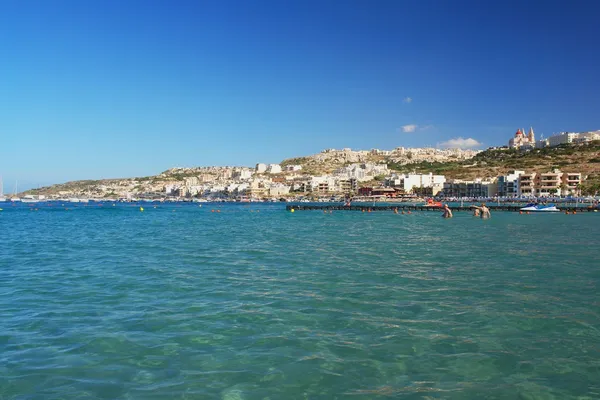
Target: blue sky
(100,89)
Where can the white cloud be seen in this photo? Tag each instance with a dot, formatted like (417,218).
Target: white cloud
(426,127)
(461,143)
(407,100)
(409,128)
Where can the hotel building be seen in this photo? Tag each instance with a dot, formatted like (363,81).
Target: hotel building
(553,183)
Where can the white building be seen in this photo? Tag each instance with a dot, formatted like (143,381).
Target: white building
(261,168)
(410,181)
(563,138)
(171,189)
(278,189)
(242,174)
(293,168)
(274,169)
(508,185)
(323,184)
(586,137)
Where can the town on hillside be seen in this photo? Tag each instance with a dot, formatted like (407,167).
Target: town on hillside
(346,173)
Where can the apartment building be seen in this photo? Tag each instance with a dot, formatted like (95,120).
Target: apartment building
(477,188)
(553,183)
(508,185)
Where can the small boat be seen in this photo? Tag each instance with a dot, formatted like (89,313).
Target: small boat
(431,203)
(540,208)
(29,199)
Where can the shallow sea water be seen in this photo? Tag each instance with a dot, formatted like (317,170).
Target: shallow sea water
(253,302)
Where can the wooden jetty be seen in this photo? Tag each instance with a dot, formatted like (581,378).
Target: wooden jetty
(405,207)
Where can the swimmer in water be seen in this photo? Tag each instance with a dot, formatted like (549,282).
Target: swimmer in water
(482,211)
(476,212)
(447,212)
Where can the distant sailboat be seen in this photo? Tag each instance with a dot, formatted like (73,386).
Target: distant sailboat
(2,198)
(15,198)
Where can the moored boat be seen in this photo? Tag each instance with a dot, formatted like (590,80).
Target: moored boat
(29,199)
(532,207)
(431,203)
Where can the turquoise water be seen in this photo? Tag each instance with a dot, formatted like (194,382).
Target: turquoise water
(178,302)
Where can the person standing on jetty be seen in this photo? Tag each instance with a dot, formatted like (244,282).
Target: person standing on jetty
(447,212)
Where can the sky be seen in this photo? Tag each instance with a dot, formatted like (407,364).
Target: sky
(112,88)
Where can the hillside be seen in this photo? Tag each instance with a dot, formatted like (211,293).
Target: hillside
(584,158)
(454,164)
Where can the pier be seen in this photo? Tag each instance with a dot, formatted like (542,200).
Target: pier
(406,207)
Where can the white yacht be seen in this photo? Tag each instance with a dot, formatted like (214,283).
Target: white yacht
(30,199)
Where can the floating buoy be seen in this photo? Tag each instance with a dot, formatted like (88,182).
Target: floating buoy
(212,210)
(292,210)
(142,209)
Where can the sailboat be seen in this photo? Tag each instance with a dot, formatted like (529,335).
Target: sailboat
(15,198)
(2,198)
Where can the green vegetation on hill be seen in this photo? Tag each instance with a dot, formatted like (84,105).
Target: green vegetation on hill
(582,158)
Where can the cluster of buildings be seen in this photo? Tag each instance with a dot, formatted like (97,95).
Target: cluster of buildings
(354,167)
(518,184)
(268,180)
(514,184)
(527,141)
(400,155)
(348,171)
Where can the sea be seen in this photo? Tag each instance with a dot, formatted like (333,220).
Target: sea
(249,301)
